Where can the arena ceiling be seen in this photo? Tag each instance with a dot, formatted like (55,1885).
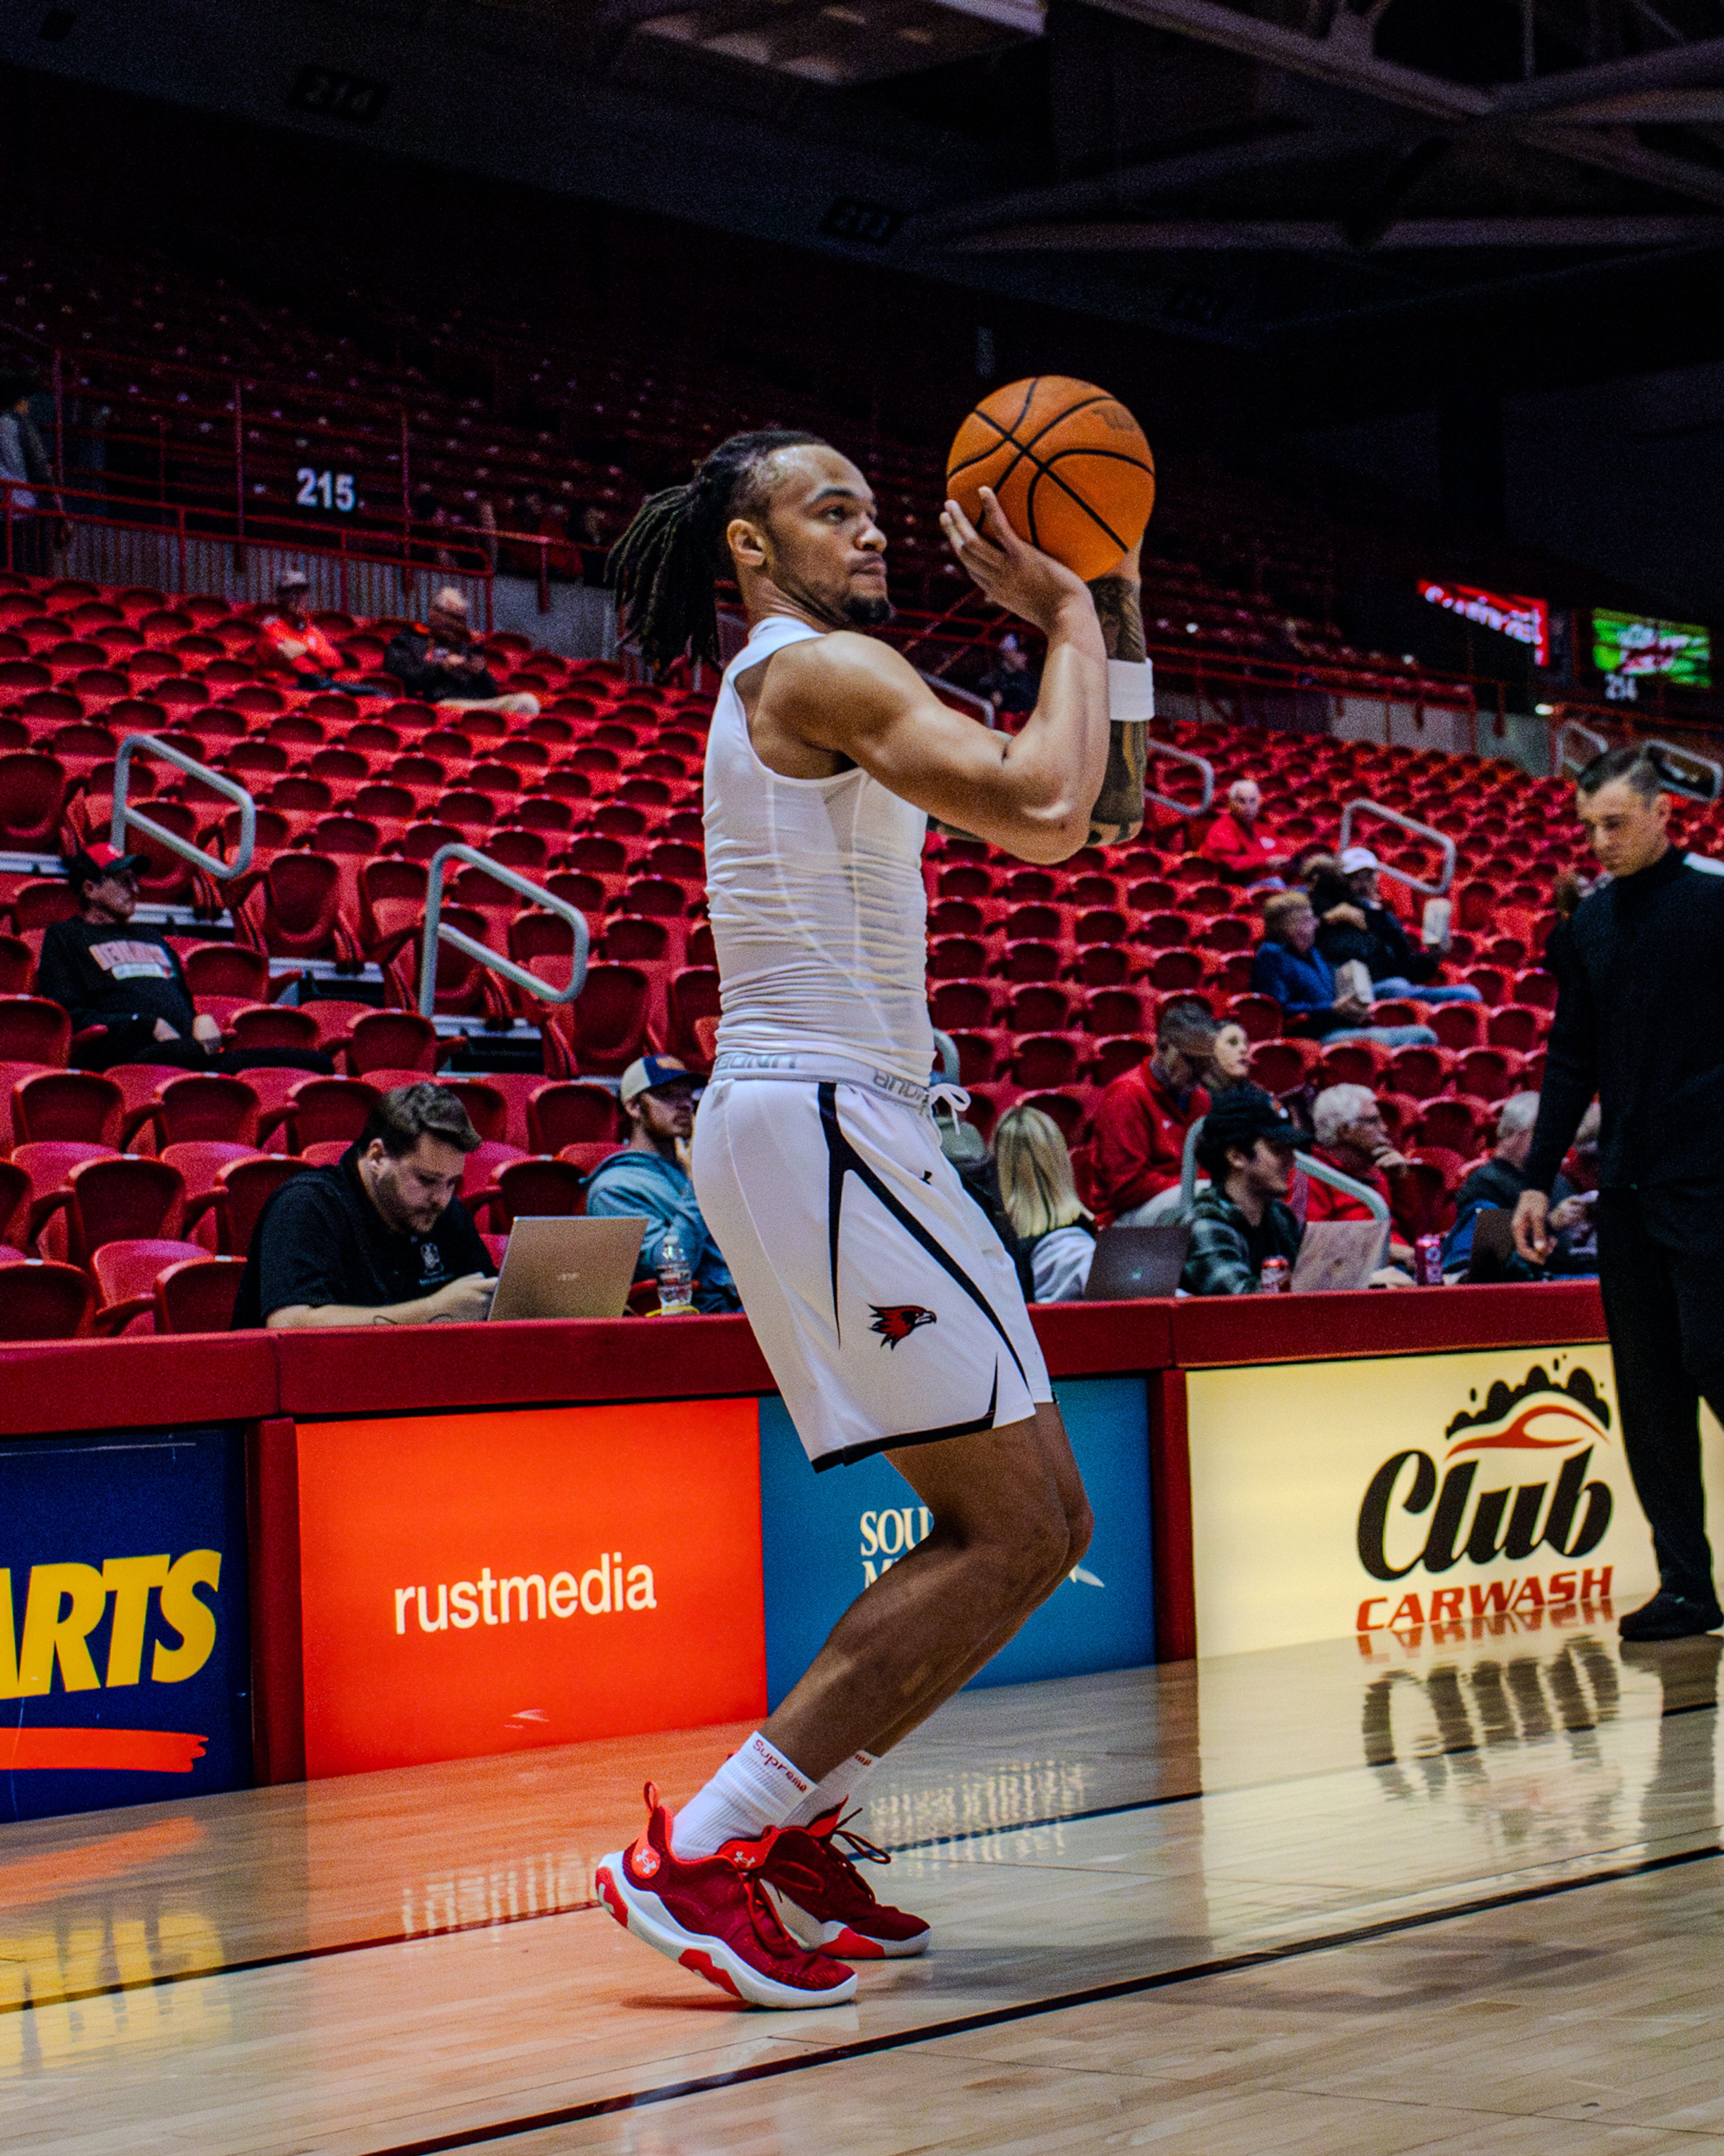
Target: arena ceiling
(1449,181)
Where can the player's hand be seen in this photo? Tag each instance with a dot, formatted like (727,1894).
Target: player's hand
(1007,569)
(464,1301)
(1533,1240)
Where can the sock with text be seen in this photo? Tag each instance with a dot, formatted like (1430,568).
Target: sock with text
(835,1791)
(755,1790)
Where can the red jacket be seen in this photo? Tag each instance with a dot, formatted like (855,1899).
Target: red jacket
(302,646)
(1139,1144)
(1325,1203)
(1232,845)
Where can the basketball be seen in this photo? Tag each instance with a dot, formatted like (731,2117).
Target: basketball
(1068,464)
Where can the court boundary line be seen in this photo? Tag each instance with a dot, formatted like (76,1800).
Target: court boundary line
(261,1961)
(444,2144)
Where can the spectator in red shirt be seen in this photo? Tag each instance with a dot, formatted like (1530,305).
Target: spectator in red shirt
(1235,845)
(289,638)
(1352,1136)
(1142,1117)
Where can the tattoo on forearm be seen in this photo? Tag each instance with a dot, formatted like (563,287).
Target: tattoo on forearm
(1118,813)
(1119,608)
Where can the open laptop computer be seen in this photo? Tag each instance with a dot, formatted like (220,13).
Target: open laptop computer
(1132,1263)
(1336,1255)
(559,1266)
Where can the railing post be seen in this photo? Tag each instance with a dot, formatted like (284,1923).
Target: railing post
(434,932)
(125,815)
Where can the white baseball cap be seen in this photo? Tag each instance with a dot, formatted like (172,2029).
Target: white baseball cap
(1357,858)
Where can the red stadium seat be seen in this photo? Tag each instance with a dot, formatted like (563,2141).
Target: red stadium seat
(203,1104)
(1259,1015)
(227,969)
(692,995)
(15,1192)
(1489,1074)
(33,792)
(1515,1026)
(609,1018)
(961,1005)
(319,1111)
(392,1040)
(244,1188)
(539,1187)
(43,1301)
(1458,1025)
(113,1199)
(565,1113)
(267,1026)
(68,1103)
(1278,1067)
(126,1272)
(198,1294)
(33,1030)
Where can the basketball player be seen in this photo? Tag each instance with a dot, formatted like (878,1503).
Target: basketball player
(884,1302)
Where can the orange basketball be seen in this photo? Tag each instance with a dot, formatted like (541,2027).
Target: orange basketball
(1068,464)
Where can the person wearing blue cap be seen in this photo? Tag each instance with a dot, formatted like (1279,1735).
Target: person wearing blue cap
(650,1177)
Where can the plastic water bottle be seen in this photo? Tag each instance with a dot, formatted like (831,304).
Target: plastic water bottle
(676,1277)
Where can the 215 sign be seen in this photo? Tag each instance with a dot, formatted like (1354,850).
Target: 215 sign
(338,95)
(326,489)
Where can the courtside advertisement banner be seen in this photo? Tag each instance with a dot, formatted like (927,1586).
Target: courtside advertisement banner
(827,1537)
(476,1583)
(1379,1497)
(125,1652)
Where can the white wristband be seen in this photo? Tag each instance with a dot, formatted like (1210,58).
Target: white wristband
(1131,691)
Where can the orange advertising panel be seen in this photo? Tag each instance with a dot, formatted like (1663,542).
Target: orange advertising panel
(475,1584)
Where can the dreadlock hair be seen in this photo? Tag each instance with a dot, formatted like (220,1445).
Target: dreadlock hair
(665,566)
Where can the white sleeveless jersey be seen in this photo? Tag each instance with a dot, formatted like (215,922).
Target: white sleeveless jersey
(819,914)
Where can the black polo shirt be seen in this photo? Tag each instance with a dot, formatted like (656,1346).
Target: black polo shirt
(320,1240)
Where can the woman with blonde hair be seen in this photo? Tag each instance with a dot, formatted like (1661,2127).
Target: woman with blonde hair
(1054,1227)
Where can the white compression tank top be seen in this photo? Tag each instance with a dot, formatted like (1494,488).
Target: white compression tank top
(819,915)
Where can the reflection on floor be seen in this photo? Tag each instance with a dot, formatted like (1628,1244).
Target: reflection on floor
(1446,1892)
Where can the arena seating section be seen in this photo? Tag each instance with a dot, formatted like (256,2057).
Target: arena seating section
(138,1189)
(574,429)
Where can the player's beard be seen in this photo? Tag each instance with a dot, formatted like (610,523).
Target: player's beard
(862,611)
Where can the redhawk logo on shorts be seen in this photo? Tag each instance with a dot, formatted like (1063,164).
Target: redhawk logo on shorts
(896,1320)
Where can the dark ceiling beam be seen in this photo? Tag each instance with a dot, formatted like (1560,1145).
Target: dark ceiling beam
(1348,62)
(1206,235)
(1144,182)
(1647,108)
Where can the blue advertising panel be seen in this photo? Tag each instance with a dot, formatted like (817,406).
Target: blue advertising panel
(825,1537)
(125,1653)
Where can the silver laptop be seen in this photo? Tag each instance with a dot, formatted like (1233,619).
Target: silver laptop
(1338,1254)
(559,1266)
(1132,1263)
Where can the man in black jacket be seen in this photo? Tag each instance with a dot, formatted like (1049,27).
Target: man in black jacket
(1640,1021)
(1355,923)
(440,663)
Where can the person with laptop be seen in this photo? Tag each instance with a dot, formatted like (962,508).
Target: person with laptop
(380,1238)
(1246,1148)
(1055,1229)
(1352,1136)
(650,1178)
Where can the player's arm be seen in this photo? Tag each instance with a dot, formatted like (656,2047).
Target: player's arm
(1029,793)
(1118,812)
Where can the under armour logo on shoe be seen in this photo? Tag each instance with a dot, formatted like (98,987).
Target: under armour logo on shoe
(896,1320)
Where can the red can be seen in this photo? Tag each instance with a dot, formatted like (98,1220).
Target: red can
(1428,1261)
(1276,1277)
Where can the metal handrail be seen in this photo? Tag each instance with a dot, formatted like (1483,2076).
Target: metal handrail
(1403,823)
(946,1048)
(1319,1171)
(1564,761)
(125,814)
(435,932)
(1201,764)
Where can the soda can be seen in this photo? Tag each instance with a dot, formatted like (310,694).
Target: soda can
(1276,1277)
(1428,1261)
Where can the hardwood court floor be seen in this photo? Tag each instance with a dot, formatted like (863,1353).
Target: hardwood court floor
(1457,1895)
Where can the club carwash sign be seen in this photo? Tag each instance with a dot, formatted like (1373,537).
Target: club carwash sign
(1372,1496)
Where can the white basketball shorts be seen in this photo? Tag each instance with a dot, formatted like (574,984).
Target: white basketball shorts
(881,1297)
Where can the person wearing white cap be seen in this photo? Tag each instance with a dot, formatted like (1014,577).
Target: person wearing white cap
(649,1177)
(1362,926)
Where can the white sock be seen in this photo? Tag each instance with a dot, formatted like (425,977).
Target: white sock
(837,1789)
(757,1789)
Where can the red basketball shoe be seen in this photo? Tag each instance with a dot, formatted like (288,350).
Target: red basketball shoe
(825,1901)
(714,1915)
